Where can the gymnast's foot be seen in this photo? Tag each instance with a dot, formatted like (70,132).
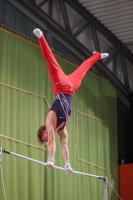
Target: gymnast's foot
(103,55)
(38,32)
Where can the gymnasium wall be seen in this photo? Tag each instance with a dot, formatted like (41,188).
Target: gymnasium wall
(25,96)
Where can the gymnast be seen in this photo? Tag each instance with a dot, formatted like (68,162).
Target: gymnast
(63,87)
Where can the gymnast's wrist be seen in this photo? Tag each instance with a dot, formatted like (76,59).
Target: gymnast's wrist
(51,159)
(67,166)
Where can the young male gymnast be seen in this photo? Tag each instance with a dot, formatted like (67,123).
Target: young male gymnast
(63,87)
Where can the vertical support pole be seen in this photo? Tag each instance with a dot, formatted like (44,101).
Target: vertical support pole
(65,17)
(95,38)
(49,37)
(0,155)
(105,186)
(124,68)
(81,28)
(111,56)
(50,8)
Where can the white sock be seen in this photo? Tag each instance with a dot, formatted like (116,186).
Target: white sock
(38,32)
(103,55)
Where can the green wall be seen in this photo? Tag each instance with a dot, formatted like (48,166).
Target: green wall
(24,76)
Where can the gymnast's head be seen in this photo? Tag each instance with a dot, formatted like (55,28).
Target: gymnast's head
(42,135)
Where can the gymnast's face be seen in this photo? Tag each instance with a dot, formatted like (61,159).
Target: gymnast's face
(45,136)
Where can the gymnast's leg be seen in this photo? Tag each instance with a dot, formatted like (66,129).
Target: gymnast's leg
(77,76)
(57,76)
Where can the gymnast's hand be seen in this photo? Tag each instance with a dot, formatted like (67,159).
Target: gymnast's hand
(68,169)
(50,163)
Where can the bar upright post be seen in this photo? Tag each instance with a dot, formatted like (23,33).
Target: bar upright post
(105,187)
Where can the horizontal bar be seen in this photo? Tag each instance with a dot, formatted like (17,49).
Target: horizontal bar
(56,167)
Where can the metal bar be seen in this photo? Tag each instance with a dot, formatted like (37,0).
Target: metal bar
(81,28)
(105,186)
(89,163)
(123,62)
(21,142)
(114,65)
(49,37)
(111,56)
(92,117)
(50,8)
(56,167)
(113,79)
(42,3)
(87,15)
(33,1)
(64,14)
(26,91)
(128,43)
(124,101)
(99,26)
(95,38)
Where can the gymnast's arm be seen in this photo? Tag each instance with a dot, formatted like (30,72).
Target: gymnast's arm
(64,143)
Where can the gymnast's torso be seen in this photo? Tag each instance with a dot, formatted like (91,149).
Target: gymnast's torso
(62,106)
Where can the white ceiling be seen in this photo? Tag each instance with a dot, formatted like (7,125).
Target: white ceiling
(116,15)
